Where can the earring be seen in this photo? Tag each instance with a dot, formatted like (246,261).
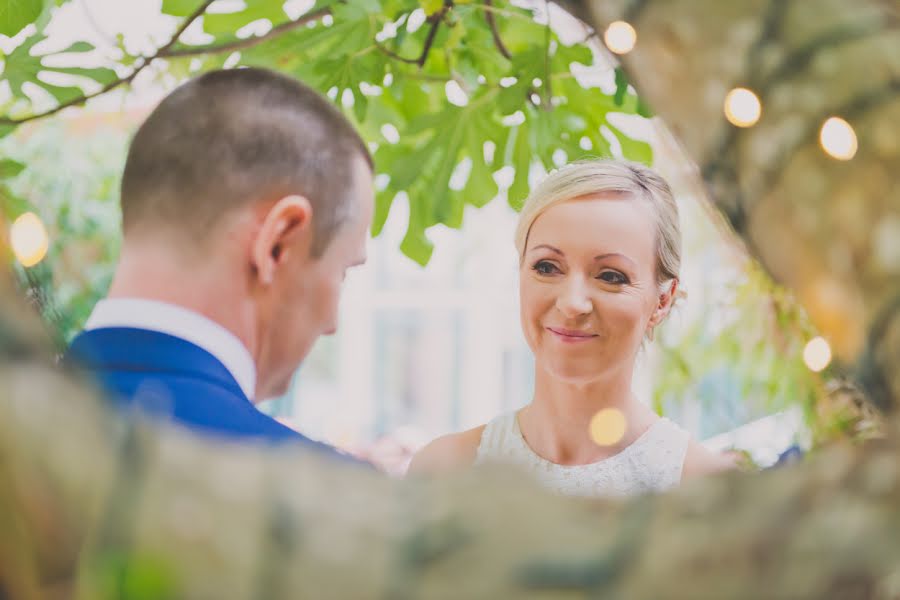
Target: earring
(650,334)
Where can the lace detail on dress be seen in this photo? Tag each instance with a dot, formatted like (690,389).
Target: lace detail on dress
(652,463)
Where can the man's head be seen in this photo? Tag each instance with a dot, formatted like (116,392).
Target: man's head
(262,190)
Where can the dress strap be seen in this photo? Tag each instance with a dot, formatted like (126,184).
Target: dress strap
(498,435)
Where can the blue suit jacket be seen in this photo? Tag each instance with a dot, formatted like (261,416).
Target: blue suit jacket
(170,378)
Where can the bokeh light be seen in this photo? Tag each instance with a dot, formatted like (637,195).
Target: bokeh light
(620,37)
(29,239)
(838,139)
(742,107)
(608,427)
(817,354)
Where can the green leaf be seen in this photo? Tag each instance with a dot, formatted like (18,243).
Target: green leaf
(180,8)
(633,149)
(576,53)
(522,35)
(478,53)
(341,67)
(431,6)
(521,160)
(418,247)
(621,86)
(15,15)
(228,23)
(416,244)
(23,67)
(62,94)
(403,171)
(366,6)
(456,37)
(12,205)
(77,47)
(360,105)
(395,161)
(480,187)
(10,168)
(297,49)
(101,75)
(513,98)
(447,207)
(383,202)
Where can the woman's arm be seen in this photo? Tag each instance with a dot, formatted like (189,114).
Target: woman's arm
(700,461)
(447,453)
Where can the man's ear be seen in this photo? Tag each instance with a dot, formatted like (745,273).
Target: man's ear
(664,304)
(285,227)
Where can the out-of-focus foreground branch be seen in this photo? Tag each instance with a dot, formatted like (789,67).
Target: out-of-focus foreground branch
(94,506)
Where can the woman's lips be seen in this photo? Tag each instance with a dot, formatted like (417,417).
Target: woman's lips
(570,335)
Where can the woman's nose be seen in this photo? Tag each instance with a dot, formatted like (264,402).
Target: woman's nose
(573,300)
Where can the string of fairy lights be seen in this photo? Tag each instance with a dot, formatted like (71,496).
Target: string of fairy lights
(742,108)
(29,239)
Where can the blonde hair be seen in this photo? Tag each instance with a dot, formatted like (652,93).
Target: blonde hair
(590,177)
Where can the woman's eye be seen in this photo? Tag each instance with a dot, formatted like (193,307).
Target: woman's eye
(545,268)
(613,277)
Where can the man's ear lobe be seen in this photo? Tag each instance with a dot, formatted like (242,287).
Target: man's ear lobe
(280,233)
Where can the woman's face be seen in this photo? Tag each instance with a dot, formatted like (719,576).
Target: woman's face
(587,286)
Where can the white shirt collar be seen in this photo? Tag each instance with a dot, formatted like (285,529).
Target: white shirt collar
(181,323)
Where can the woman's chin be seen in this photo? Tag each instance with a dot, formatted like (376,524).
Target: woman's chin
(574,372)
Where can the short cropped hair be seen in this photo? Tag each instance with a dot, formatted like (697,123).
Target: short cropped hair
(586,178)
(230,137)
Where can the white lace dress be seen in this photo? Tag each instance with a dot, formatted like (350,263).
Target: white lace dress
(652,463)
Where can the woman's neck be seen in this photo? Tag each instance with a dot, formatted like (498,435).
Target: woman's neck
(556,425)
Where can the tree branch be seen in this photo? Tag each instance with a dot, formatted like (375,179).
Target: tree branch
(249,42)
(394,55)
(432,33)
(851,110)
(489,17)
(187,23)
(435,20)
(127,79)
(801,58)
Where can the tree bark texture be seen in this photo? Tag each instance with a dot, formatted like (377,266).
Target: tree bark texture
(107,507)
(829,229)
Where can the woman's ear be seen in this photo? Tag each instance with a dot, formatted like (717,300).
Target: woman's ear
(664,303)
(285,228)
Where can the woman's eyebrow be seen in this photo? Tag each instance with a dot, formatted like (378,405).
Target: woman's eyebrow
(547,247)
(613,255)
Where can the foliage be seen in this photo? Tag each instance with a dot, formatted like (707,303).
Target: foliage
(73,187)
(393,66)
(744,364)
(15,15)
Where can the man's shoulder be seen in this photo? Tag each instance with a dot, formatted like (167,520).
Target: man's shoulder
(129,346)
(166,377)
(171,379)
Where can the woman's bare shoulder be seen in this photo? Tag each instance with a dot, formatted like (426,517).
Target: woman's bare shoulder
(701,461)
(447,453)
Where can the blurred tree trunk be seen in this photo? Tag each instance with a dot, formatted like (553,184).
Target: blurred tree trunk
(108,509)
(103,508)
(828,229)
